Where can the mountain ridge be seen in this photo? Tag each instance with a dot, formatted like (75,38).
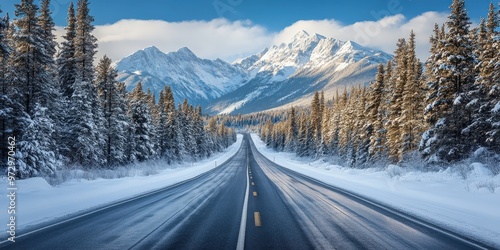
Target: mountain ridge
(281,75)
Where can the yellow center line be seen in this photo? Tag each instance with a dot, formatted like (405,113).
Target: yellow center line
(258,221)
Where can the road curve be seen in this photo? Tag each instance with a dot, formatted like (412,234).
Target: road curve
(332,218)
(204,211)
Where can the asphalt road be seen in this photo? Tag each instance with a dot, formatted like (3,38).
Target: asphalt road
(285,210)
(332,218)
(201,213)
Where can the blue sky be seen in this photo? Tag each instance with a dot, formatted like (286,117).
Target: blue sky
(274,15)
(231,29)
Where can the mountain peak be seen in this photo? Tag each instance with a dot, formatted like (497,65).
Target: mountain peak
(301,35)
(151,48)
(186,51)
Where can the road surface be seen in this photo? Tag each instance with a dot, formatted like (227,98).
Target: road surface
(283,210)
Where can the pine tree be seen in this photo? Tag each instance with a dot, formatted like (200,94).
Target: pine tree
(187,125)
(326,135)
(316,120)
(65,61)
(86,118)
(292,131)
(363,128)
(334,125)
(35,156)
(33,80)
(200,137)
(30,58)
(85,43)
(112,98)
(141,121)
(455,75)
(412,123)
(375,115)
(6,103)
(484,97)
(396,87)
(493,139)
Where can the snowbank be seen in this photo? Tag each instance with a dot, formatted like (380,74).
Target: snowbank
(470,205)
(38,202)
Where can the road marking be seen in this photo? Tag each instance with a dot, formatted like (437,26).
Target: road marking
(251,177)
(243,223)
(254,194)
(253,184)
(258,221)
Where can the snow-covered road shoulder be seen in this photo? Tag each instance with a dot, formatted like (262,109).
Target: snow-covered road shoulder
(38,202)
(469,206)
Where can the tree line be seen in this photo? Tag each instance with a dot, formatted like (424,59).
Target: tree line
(65,111)
(444,114)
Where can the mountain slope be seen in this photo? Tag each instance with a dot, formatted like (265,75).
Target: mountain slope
(288,74)
(282,75)
(196,79)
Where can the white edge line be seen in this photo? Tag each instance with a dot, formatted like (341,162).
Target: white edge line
(243,224)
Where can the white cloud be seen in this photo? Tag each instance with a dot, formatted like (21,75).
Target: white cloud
(229,40)
(381,34)
(218,38)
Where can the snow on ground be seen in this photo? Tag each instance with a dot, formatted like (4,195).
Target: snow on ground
(38,202)
(470,206)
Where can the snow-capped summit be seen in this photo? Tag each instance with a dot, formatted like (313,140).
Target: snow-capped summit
(291,72)
(191,77)
(280,75)
(283,60)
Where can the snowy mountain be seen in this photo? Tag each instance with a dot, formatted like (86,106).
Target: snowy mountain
(283,74)
(290,73)
(196,79)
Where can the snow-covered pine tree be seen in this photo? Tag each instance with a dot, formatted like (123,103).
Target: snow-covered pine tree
(55,102)
(326,135)
(6,104)
(291,131)
(30,58)
(335,125)
(161,125)
(86,119)
(33,87)
(203,149)
(65,60)
(211,129)
(432,109)
(396,87)
(112,98)
(412,121)
(305,137)
(84,150)
(85,43)
(375,115)
(485,95)
(444,141)
(187,125)
(121,123)
(178,144)
(316,120)
(493,140)
(347,127)
(363,128)
(35,155)
(166,126)
(141,121)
